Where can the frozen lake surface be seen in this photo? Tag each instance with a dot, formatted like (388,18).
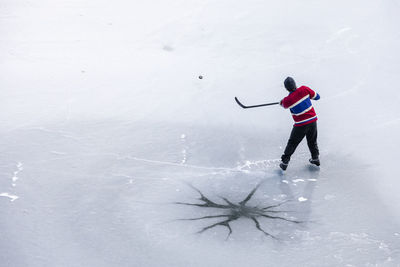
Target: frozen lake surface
(105,194)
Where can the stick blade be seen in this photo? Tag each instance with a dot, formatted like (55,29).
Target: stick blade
(238,102)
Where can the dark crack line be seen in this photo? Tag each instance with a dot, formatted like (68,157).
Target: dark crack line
(243,202)
(231,205)
(279,218)
(259,228)
(222,223)
(278,211)
(205,217)
(205,205)
(236,211)
(275,206)
(207,202)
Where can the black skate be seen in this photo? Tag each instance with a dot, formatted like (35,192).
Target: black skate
(283,166)
(315,161)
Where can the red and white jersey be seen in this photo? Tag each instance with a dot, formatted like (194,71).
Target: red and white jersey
(299,103)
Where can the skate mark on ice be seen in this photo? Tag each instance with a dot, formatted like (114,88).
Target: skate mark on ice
(124,176)
(184,150)
(231,211)
(64,134)
(182,165)
(338,34)
(11,197)
(240,168)
(258,164)
(58,153)
(15,175)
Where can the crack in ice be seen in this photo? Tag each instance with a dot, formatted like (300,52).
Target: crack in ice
(235,211)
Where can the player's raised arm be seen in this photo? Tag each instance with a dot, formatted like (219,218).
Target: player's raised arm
(313,95)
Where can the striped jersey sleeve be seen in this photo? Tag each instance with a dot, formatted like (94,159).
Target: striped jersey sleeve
(313,95)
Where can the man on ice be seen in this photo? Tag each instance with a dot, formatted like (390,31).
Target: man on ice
(305,121)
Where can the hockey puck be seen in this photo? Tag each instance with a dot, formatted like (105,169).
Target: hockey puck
(200,77)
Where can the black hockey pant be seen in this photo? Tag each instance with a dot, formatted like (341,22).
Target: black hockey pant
(297,134)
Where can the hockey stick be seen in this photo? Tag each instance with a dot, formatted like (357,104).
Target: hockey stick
(255,106)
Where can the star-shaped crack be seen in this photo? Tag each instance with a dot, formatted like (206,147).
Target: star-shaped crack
(234,211)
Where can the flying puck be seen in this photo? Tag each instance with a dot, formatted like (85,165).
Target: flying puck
(200,77)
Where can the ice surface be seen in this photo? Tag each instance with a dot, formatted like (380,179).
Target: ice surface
(105,128)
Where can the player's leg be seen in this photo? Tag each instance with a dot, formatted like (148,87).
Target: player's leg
(311,136)
(297,134)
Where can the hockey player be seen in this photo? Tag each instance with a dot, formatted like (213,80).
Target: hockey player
(305,121)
